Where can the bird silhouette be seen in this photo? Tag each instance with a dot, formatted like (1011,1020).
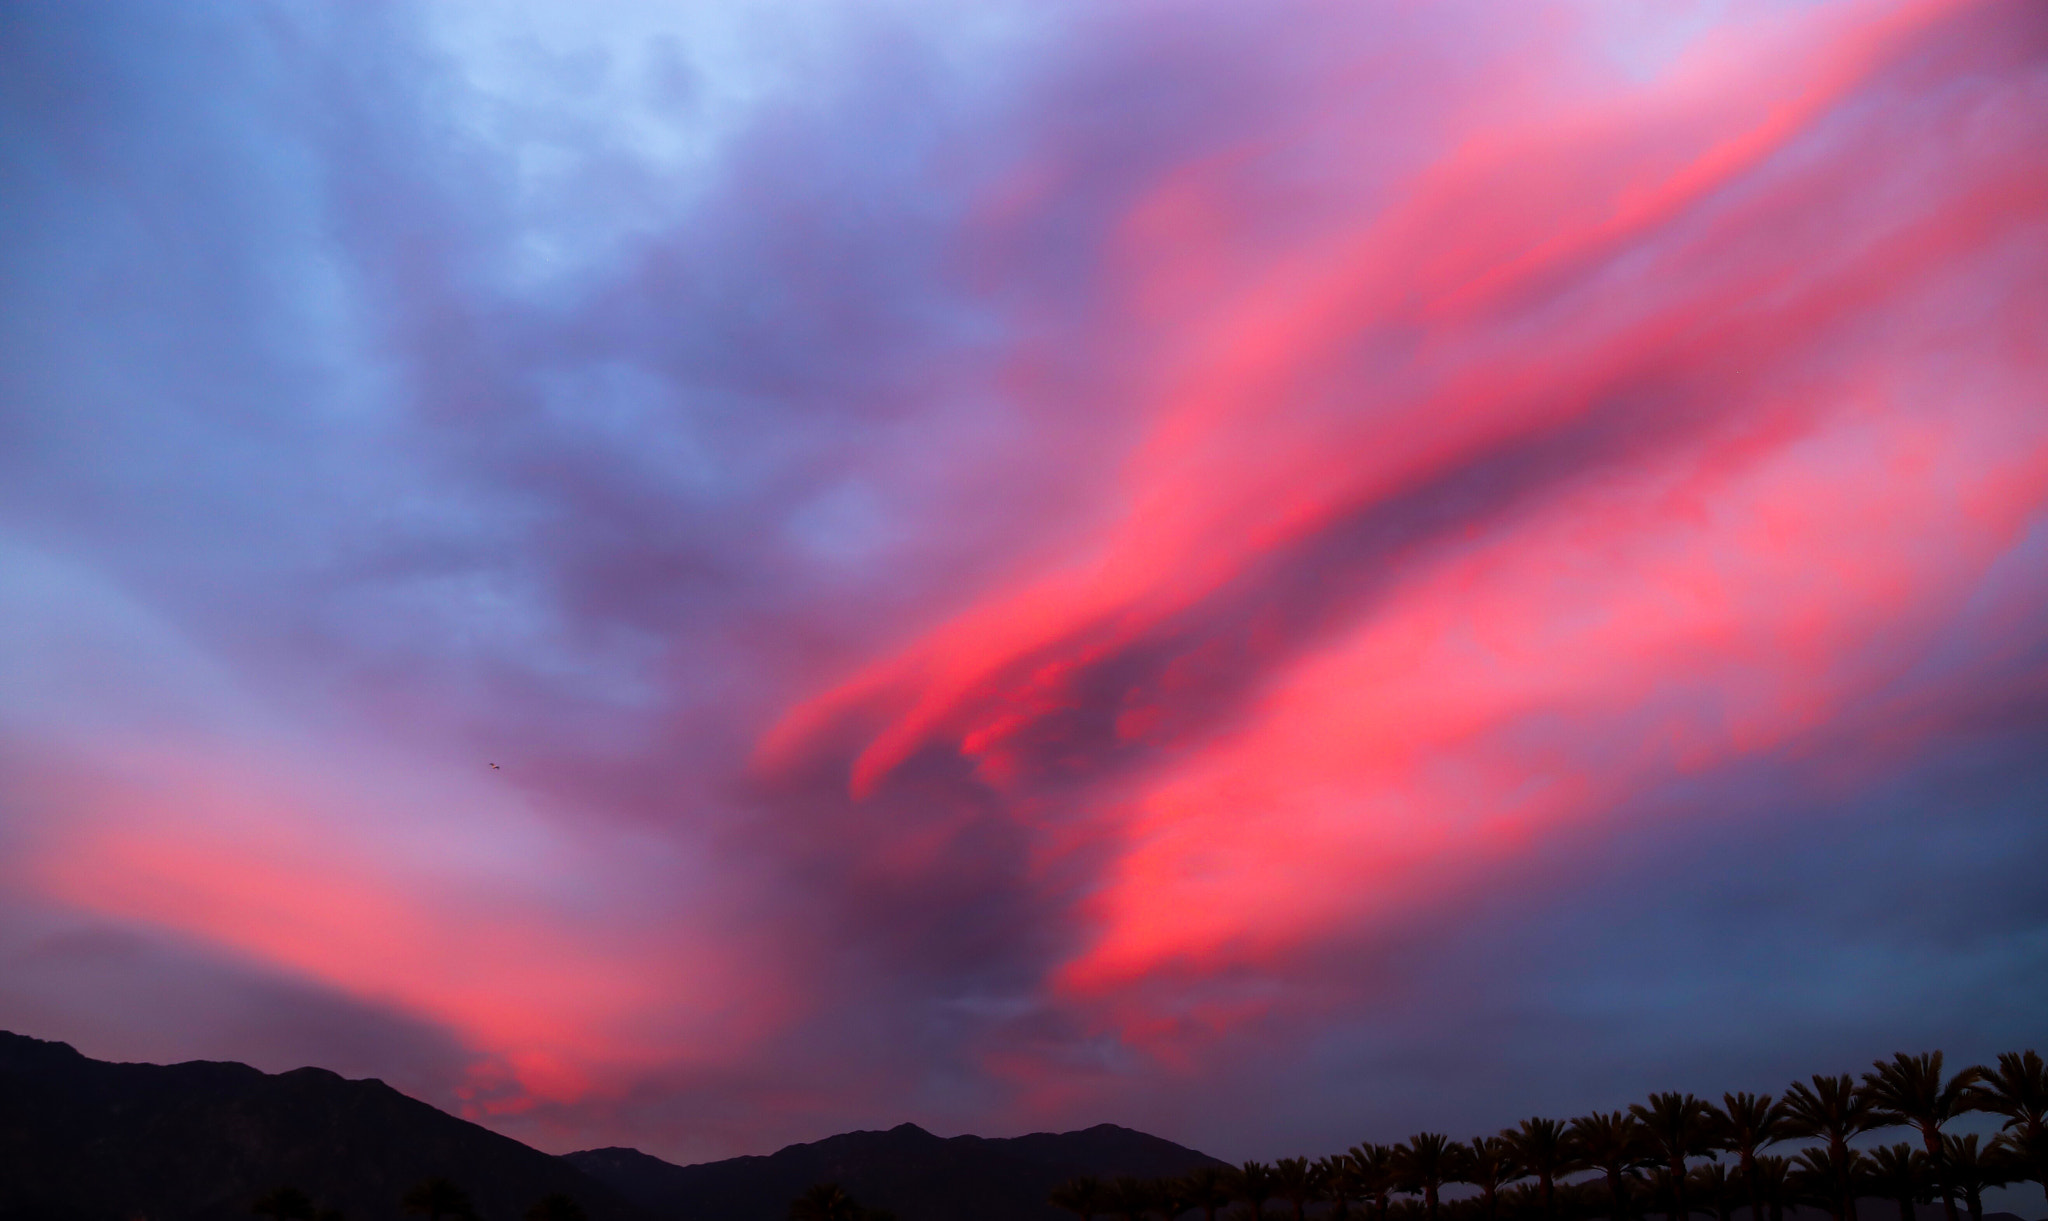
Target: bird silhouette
(496,766)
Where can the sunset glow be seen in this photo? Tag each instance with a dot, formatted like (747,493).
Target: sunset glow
(757,570)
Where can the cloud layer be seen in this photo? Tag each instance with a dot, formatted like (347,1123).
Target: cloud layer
(1271,575)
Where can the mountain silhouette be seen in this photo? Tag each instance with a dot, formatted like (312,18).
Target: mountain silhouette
(906,1170)
(88,1140)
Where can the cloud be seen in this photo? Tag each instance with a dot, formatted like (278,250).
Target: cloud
(1022,567)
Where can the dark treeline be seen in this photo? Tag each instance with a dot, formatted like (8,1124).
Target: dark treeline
(1673,1154)
(436,1199)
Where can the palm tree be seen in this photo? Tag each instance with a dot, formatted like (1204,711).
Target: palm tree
(1899,1173)
(438,1198)
(1678,1126)
(1910,1090)
(1968,1169)
(1297,1181)
(1130,1197)
(1423,1164)
(1489,1161)
(555,1207)
(2018,1090)
(1544,1148)
(1709,1183)
(1342,1183)
(1747,1123)
(1835,1110)
(1256,1184)
(1084,1197)
(824,1202)
(1772,1180)
(1829,1176)
(1205,1187)
(284,1204)
(1376,1174)
(1611,1142)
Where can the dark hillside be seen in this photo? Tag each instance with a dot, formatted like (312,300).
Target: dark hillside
(907,1170)
(87,1140)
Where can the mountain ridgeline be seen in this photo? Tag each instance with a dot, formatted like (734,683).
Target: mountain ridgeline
(905,1170)
(88,1140)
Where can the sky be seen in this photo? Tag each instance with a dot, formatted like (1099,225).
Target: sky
(702,575)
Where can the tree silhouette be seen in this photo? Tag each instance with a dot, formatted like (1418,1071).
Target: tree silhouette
(1342,1183)
(1899,1173)
(1835,1110)
(1297,1181)
(2018,1090)
(1488,1162)
(1255,1184)
(1677,1126)
(1773,1182)
(1377,1177)
(1424,1163)
(1747,1123)
(1709,1184)
(824,1202)
(1084,1197)
(1205,1187)
(1910,1090)
(1131,1197)
(1828,1176)
(1968,1169)
(1612,1142)
(1544,1148)
(284,1204)
(438,1198)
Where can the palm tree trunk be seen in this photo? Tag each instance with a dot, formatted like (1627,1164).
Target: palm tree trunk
(1429,1198)
(1679,1212)
(1549,1182)
(1756,1194)
(1931,1137)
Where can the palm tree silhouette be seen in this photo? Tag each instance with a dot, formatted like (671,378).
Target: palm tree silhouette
(1424,1163)
(1256,1184)
(1544,1148)
(1297,1181)
(1377,1178)
(1709,1183)
(1205,1187)
(1130,1197)
(284,1204)
(1910,1090)
(1085,1197)
(1830,1177)
(1835,1110)
(1613,1143)
(1677,1126)
(1773,1175)
(1342,1183)
(1489,1161)
(2018,1090)
(1899,1173)
(1747,1123)
(824,1202)
(1966,1168)
(437,1198)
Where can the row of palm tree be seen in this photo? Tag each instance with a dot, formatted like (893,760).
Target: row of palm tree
(1664,1154)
